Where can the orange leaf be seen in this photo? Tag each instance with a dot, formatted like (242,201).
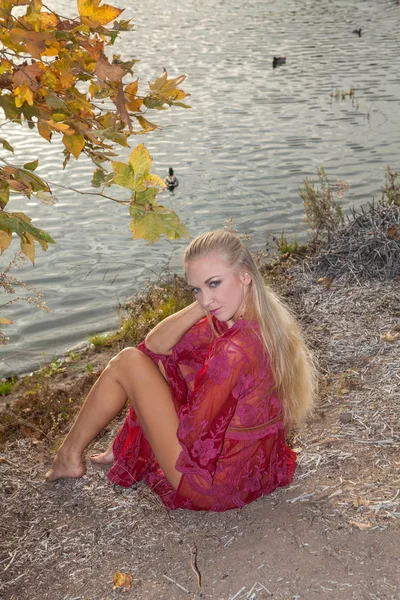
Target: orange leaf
(393,232)
(93,14)
(74,143)
(105,70)
(28,75)
(44,130)
(122,580)
(134,104)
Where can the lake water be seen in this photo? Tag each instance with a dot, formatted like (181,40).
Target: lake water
(253,135)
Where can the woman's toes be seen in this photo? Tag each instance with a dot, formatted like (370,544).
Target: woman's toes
(104,458)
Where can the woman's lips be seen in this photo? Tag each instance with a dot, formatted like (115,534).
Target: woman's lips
(214,312)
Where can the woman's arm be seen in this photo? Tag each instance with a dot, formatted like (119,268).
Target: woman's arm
(166,334)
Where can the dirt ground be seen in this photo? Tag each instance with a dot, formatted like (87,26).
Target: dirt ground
(332,534)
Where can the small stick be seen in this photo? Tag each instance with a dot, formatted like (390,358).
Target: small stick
(177,584)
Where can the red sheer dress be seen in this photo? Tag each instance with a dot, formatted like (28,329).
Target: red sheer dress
(230,423)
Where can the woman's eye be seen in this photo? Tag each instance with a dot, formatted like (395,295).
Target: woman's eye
(195,290)
(214,283)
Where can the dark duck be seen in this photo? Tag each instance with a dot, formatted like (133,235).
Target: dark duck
(278,60)
(171,180)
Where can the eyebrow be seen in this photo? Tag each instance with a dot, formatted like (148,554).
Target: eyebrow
(206,281)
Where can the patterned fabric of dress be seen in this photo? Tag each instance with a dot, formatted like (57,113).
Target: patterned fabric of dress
(230,423)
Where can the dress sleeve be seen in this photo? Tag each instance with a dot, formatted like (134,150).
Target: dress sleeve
(197,338)
(204,419)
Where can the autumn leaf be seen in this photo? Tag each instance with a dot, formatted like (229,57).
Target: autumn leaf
(390,337)
(152,224)
(5,240)
(119,101)
(31,166)
(135,175)
(105,70)
(23,94)
(74,143)
(93,15)
(5,321)
(122,580)
(145,124)
(6,145)
(393,232)
(140,161)
(132,102)
(360,525)
(29,75)
(28,246)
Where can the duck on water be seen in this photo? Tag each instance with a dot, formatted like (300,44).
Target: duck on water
(171,180)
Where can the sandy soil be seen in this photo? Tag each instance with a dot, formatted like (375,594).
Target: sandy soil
(332,534)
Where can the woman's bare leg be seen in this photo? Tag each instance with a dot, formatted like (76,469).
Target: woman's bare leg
(131,374)
(106,458)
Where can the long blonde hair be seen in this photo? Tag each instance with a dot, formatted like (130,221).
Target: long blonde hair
(291,361)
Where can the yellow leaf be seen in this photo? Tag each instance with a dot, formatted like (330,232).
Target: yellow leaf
(93,14)
(63,127)
(122,580)
(5,321)
(390,337)
(152,180)
(67,79)
(140,161)
(145,124)
(28,246)
(74,143)
(5,240)
(23,94)
(131,89)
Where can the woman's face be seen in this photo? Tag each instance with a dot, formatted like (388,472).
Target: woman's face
(217,287)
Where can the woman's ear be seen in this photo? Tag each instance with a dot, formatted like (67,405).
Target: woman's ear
(245,278)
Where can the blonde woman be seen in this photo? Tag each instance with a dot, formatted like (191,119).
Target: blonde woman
(214,390)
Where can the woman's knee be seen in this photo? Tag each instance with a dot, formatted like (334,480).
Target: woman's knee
(125,360)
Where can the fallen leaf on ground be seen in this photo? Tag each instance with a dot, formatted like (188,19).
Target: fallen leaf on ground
(122,580)
(360,525)
(390,337)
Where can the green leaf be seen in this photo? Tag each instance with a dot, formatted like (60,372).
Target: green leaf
(6,145)
(125,176)
(154,102)
(98,178)
(150,223)
(181,104)
(114,136)
(28,178)
(31,166)
(7,103)
(4,193)
(20,224)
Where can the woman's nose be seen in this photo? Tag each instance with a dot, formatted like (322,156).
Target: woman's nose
(207,297)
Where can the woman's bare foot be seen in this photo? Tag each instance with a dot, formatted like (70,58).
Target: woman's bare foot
(63,467)
(104,458)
